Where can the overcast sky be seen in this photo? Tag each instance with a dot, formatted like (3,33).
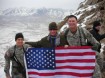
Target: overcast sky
(64,4)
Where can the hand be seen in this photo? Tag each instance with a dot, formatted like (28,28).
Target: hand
(8,76)
(95,47)
(66,46)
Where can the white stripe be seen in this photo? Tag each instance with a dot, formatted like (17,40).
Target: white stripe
(73,50)
(56,76)
(75,57)
(75,64)
(62,70)
(25,66)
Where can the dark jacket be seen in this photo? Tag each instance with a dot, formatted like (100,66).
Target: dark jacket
(46,43)
(96,35)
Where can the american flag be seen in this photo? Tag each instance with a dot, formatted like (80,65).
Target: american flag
(71,62)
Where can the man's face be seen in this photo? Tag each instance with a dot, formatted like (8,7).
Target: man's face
(19,42)
(53,32)
(98,27)
(72,22)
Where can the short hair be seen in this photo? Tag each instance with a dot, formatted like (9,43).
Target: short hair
(19,35)
(70,16)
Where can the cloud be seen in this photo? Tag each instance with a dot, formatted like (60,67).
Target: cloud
(64,4)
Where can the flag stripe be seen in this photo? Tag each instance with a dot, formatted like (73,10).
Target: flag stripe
(75,64)
(56,76)
(75,57)
(76,67)
(71,62)
(74,50)
(61,73)
(75,54)
(75,60)
(62,70)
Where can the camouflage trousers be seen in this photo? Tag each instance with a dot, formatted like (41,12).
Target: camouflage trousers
(16,74)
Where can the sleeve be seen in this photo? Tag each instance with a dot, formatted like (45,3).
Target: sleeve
(101,37)
(34,44)
(97,36)
(7,63)
(27,46)
(92,40)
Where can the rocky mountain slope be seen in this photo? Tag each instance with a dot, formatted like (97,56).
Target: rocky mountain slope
(90,11)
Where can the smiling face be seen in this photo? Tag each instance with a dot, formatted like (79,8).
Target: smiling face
(53,32)
(72,22)
(19,42)
(98,27)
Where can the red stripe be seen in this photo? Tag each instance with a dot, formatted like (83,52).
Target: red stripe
(61,73)
(76,60)
(70,73)
(74,47)
(75,54)
(76,67)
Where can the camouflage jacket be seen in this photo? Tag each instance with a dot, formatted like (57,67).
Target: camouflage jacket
(81,38)
(15,68)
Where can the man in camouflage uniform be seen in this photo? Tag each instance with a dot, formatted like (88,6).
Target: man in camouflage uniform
(78,36)
(16,55)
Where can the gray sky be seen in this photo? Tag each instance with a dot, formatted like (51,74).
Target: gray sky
(64,4)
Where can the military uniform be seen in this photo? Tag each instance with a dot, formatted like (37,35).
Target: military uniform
(82,37)
(19,53)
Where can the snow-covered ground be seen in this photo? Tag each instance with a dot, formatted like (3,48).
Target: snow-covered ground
(2,75)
